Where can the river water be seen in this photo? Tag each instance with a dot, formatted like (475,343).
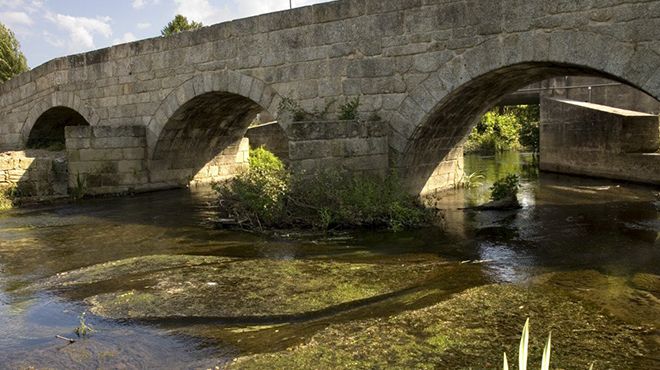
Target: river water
(592,243)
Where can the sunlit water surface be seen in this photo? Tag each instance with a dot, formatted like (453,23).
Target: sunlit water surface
(566,223)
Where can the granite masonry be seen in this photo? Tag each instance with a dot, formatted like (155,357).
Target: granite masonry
(427,68)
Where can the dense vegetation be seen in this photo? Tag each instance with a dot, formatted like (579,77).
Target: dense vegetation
(504,129)
(12,60)
(268,196)
(179,24)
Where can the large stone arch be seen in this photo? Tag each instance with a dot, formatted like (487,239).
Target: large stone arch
(435,117)
(209,82)
(57,99)
(197,133)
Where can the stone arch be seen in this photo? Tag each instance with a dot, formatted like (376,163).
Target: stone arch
(433,120)
(206,83)
(57,99)
(197,133)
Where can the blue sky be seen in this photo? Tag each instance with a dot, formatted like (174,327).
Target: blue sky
(49,29)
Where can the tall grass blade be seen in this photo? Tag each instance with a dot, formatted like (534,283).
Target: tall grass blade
(545,363)
(522,351)
(506,363)
(592,366)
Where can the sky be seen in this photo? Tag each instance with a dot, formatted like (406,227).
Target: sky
(48,29)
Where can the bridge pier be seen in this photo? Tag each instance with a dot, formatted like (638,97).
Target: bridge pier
(596,140)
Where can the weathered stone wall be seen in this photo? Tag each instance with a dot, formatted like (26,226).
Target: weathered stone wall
(107,159)
(272,137)
(595,140)
(34,173)
(231,161)
(355,146)
(429,69)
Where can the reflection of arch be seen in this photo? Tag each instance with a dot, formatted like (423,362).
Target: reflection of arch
(57,99)
(439,113)
(222,82)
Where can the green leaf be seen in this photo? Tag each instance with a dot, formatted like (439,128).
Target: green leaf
(545,363)
(522,350)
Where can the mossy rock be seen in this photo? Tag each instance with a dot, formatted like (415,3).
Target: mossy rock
(203,286)
(470,330)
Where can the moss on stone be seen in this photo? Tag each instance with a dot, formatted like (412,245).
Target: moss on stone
(471,330)
(194,286)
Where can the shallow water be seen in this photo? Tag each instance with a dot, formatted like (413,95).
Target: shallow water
(574,235)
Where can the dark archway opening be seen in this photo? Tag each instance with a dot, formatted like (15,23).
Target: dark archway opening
(48,130)
(203,141)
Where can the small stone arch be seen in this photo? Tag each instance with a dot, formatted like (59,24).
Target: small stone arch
(57,99)
(209,82)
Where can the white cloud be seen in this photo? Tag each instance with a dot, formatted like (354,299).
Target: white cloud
(143,26)
(139,4)
(198,10)
(128,37)
(53,40)
(81,30)
(16,19)
(204,11)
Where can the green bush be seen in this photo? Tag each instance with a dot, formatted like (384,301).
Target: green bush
(256,196)
(505,187)
(513,128)
(267,196)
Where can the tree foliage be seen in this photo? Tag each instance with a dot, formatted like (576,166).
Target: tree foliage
(509,128)
(179,24)
(12,60)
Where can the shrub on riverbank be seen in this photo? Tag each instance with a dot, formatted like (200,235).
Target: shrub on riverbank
(268,196)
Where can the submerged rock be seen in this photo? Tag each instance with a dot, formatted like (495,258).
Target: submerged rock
(204,286)
(471,330)
(508,203)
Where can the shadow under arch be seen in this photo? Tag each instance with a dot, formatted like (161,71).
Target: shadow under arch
(197,132)
(50,115)
(435,144)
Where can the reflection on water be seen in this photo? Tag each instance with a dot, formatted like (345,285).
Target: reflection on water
(566,224)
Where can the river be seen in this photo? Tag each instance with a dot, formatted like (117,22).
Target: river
(581,258)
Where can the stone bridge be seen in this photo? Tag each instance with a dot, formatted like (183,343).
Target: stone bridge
(166,111)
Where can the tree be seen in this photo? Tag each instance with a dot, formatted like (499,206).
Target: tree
(180,24)
(12,60)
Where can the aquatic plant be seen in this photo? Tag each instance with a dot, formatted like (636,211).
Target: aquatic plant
(506,187)
(83,329)
(523,351)
(470,181)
